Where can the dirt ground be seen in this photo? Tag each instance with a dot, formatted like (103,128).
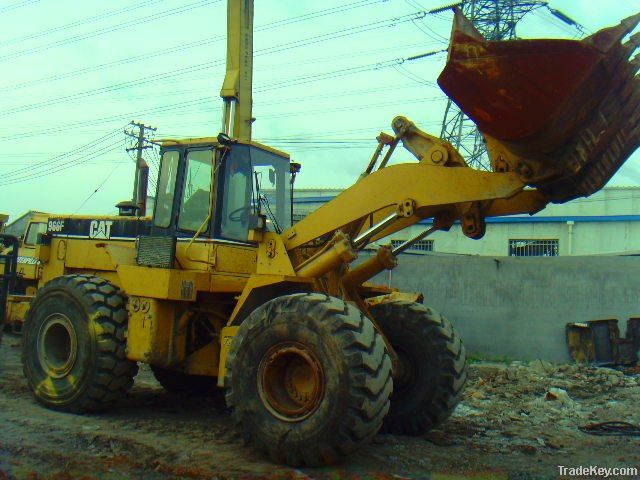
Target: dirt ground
(508,426)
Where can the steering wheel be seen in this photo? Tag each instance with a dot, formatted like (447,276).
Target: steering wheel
(240,214)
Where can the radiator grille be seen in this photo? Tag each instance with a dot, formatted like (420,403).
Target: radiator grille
(156,251)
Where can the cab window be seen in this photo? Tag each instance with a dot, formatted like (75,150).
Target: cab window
(31,238)
(196,196)
(271,179)
(254,179)
(166,189)
(236,204)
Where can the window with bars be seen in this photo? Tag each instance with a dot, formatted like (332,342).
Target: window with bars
(533,248)
(419,246)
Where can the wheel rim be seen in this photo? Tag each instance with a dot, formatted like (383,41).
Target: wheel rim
(290,381)
(57,345)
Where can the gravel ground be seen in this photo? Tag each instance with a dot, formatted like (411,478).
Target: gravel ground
(517,421)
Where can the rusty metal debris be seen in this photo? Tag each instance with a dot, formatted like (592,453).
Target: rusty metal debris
(598,342)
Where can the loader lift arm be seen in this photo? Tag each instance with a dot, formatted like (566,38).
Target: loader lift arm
(411,192)
(554,131)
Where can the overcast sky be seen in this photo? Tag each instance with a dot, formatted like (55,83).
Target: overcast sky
(328,78)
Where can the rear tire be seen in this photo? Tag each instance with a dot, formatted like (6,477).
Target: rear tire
(73,352)
(308,379)
(433,366)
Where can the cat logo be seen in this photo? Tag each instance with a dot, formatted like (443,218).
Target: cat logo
(100,229)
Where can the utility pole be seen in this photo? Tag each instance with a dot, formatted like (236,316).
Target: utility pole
(142,168)
(495,20)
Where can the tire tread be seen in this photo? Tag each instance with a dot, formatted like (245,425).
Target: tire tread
(114,373)
(417,319)
(369,369)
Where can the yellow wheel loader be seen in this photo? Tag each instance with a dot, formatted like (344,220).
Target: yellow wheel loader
(20,270)
(218,287)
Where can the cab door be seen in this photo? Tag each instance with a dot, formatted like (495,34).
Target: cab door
(183,199)
(163,210)
(196,201)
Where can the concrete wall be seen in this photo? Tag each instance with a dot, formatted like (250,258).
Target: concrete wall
(518,307)
(581,238)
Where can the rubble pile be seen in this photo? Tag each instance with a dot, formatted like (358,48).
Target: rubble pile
(538,406)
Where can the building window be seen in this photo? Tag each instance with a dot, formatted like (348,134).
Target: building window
(419,246)
(533,248)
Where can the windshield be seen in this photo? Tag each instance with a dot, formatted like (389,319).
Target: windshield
(254,180)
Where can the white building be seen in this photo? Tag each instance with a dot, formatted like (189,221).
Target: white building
(606,222)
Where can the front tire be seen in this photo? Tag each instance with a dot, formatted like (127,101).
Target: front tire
(73,352)
(433,366)
(308,379)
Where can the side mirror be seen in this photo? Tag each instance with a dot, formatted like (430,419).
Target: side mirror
(43,239)
(224,139)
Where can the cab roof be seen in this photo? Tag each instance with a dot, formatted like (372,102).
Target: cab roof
(213,141)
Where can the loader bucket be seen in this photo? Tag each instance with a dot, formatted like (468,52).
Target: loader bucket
(568,110)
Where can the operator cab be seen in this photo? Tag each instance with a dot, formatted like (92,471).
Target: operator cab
(248,179)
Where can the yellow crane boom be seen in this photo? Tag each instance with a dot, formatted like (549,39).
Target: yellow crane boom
(237,87)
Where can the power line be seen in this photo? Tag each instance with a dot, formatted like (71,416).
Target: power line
(299,135)
(397,62)
(81,157)
(341,93)
(66,160)
(186,46)
(95,33)
(280,67)
(61,157)
(206,101)
(180,72)
(15,6)
(430,32)
(77,162)
(344,108)
(343,33)
(108,119)
(104,66)
(182,105)
(569,27)
(98,187)
(81,22)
